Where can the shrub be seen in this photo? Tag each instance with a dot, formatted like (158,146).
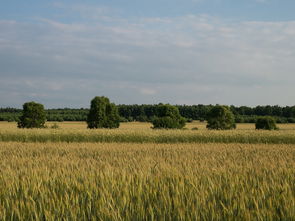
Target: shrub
(123,119)
(168,117)
(189,120)
(10,119)
(33,116)
(220,118)
(265,123)
(130,119)
(103,114)
(281,120)
(291,120)
(142,118)
(239,119)
(59,119)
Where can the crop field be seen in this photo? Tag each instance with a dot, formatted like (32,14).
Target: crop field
(136,173)
(142,133)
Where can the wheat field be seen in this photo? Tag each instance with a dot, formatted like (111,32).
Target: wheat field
(75,125)
(136,132)
(142,133)
(166,177)
(59,181)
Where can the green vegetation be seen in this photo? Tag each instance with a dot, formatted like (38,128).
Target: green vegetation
(146,182)
(146,113)
(168,117)
(33,116)
(103,114)
(220,118)
(266,123)
(149,136)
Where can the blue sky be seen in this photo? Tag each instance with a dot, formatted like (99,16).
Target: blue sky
(63,53)
(266,10)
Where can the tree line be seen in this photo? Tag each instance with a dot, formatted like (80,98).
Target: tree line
(104,114)
(147,113)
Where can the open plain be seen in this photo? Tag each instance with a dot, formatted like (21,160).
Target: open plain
(136,173)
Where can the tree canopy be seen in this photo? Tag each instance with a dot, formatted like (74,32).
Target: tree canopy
(168,117)
(33,116)
(265,123)
(220,118)
(103,114)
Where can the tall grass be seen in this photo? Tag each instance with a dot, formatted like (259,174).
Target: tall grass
(148,136)
(59,181)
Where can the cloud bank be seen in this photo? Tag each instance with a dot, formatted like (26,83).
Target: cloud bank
(181,60)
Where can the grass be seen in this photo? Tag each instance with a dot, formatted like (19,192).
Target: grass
(142,133)
(83,181)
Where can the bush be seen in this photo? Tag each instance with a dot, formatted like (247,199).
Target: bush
(220,118)
(130,119)
(291,120)
(59,119)
(123,119)
(142,118)
(10,119)
(239,119)
(265,123)
(168,117)
(33,116)
(103,114)
(189,120)
(281,120)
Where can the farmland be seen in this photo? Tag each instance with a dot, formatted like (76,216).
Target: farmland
(142,133)
(222,175)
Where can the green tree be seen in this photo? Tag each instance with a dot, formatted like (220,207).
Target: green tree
(103,114)
(168,117)
(220,118)
(33,116)
(265,123)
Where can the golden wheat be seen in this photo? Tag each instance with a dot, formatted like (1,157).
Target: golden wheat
(137,125)
(59,181)
(147,136)
(142,133)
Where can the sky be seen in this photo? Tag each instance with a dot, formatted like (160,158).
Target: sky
(63,53)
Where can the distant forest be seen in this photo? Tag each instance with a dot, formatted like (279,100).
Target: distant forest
(146,113)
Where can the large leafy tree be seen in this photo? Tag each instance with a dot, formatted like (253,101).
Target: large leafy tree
(220,118)
(103,114)
(33,116)
(168,117)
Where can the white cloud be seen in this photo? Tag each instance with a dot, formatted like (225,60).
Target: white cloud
(147,91)
(192,59)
